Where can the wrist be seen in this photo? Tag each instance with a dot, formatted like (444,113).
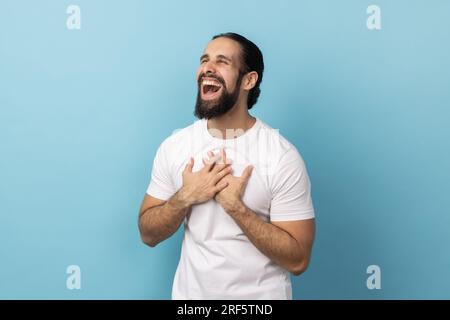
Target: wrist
(236,208)
(182,199)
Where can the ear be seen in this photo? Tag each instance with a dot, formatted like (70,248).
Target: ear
(249,80)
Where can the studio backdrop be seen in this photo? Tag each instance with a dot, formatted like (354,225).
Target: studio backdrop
(89,90)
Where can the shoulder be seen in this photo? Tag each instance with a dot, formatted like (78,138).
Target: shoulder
(277,147)
(181,137)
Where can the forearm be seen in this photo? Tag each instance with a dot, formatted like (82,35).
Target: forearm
(277,244)
(158,223)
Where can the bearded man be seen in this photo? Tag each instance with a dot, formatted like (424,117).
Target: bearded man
(240,188)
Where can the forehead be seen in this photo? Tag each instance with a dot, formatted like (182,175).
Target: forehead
(223,46)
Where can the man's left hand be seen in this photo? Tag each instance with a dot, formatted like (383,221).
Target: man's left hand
(231,196)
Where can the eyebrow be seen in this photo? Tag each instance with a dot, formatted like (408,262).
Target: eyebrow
(220,56)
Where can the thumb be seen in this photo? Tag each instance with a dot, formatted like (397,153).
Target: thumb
(189,165)
(247,173)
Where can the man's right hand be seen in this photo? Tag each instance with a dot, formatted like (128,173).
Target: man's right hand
(203,185)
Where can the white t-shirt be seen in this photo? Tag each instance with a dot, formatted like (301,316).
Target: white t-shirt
(217,259)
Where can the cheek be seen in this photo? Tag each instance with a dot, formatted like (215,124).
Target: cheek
(230,81)
(200,71)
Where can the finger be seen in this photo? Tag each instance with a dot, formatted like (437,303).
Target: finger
(220,186)
(247,173)
(224,156)
(211,158)
(207,160)
(225,159)
(222,174)
(189,165)
(210,164)
(219,167)
(218,158)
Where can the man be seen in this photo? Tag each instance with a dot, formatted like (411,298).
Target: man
(240,188)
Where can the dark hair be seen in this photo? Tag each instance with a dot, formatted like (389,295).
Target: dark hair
(252,59)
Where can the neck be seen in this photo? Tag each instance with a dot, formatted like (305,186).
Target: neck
(232,124)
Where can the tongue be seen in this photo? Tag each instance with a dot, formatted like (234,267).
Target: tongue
(210,90)
(209,94)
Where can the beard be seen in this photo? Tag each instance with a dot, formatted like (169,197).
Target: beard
(208,109)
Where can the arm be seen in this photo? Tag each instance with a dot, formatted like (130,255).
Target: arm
(287,243)
(159,219)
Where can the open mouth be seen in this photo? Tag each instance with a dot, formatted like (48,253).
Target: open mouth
(210,88)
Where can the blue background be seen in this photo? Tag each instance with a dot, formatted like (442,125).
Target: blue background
(83,112)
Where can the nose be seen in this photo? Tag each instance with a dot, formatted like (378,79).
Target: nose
(209,67)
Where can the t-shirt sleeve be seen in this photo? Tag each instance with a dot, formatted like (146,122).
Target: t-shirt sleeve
(291,189)
(161,184)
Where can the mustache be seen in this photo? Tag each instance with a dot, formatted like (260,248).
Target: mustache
(210,75)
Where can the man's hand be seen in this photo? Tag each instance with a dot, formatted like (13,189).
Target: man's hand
(288,243)
(230,196)
(203,185)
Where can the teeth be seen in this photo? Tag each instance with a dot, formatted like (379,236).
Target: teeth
(210,83)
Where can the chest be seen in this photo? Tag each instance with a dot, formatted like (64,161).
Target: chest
(257,195)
